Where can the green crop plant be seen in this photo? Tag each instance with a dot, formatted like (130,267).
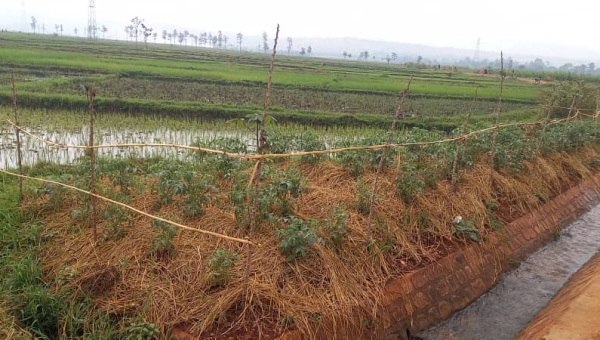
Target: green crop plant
(56,193)
(296,238)
(219,265)
(336,228)
(162,243)
(224,165)
(363,202)
(114,218)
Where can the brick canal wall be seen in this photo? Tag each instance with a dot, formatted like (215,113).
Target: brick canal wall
(433,293)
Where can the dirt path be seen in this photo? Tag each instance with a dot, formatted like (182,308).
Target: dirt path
(573,311)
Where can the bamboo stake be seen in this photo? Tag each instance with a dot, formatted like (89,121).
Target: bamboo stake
(260,144)
(497,127)
(383,154)
(18,137)
(460,143)
(91,93)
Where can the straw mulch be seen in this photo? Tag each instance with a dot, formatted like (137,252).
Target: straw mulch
(328,290)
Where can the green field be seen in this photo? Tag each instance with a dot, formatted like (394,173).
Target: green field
(217,84)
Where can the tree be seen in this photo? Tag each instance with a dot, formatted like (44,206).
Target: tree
(136,22)
(419,59)
(591,67)
(394,56)
(43,28)
(147,32)
(186,34)
(214,41)
(225,40)
(309,50)
(154,36)
(56,27)
(388,58)
(170,36)
(220,39)
(203,40)
(509,63)
(33,23)
(75,30)
(302,51)
(181,38)
(239,37)
(366,55)
(289,45)
(165,34)
(195,39)
(104,29)
(175,35)
(345,54)
(349,55)
(265,45)
(61,29)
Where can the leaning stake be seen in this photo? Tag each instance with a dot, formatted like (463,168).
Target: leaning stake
(18,137)
(91,93)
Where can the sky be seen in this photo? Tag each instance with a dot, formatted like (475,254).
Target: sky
(513,25)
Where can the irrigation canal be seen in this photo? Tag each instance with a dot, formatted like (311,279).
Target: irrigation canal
(502,312)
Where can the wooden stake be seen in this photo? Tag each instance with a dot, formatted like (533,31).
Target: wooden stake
(18,137)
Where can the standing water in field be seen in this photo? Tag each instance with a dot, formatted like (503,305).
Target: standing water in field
(519,295)
(35,150)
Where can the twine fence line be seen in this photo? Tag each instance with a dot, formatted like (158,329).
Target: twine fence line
(541,122)
(181,226)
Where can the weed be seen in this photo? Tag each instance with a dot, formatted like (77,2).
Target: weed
(141,331)
(465,228)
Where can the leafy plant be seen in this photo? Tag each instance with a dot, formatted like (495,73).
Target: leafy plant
(465,228)
(363,203)
(336,228)
(114,217)
(219,265)
(141,331)
(162,244)
(296,238)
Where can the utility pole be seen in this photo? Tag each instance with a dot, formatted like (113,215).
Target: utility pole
(91,27)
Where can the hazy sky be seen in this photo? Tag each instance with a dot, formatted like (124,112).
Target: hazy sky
(505,24)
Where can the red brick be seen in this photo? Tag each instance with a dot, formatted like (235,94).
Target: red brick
(489,260)
(459,302)
(460,276)
(442,288)
(469,273)
(445,310)
(419,279)
(478,286)
(409,307)
(399,287)
(421,300)
(397,311)
(435,271)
